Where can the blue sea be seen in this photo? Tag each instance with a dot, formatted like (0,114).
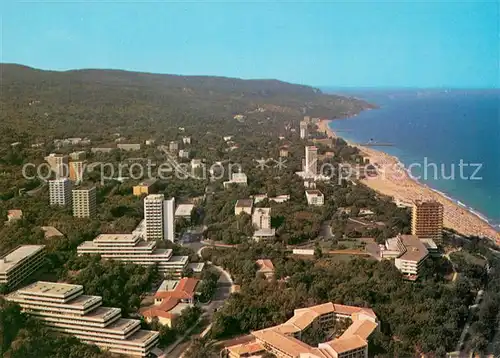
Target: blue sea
(450,129)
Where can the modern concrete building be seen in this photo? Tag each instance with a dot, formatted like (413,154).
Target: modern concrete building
(184,211)
(58,164)
(169,219)
(60,192)
(78,155)
(427,220)
(315,197)
(19,264)
(76,170)
(284,340)
(159,217)
(147,187)
(261,218)
(311,161)
(173,146)
(237,178)
(84,202)
(186,140)
(408,253)
(243,206)
(65,309)
(129,146)
(304,131)
(50,232)
(131,248)
(184,153)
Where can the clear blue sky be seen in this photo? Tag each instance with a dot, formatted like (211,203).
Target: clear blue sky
(386,44)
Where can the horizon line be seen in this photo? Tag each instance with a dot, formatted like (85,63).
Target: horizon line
(321,87)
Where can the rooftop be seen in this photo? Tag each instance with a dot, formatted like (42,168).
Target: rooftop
(262,211)
(126,238)
(53,289)
(265,265)
(314,192)
(415,250)
(148,182)
(184,210)
(182,289)
(50,231)
(13,258)
(244,203)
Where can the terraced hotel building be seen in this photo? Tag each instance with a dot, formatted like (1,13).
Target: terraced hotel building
(64,308)
(131,248)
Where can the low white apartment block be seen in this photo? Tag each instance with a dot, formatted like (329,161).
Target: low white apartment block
(243,206)
(131,248)
(65,309)
(21,263)
(315,197)
(237,178)
(84,202)
(60,192)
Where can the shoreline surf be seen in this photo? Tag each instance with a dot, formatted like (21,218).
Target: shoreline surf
(458,215)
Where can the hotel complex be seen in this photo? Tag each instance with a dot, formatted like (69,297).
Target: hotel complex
(408,253)
(19,264)
(311,162)
(131,248)
(84,202)
(60,192)
(427,220)
(284,340)
(64,308)
(159,217)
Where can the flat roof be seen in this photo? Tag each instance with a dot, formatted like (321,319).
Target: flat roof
(116,238)
(184,210)
(244,203)
(314,192)
(50,231)
(181,259)
(168,285)
(415,250)
(197,267)
(14,258)
(52,289)
(262,211)
(155,197)
(147,182)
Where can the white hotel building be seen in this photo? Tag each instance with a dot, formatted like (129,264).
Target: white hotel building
(159,217)
(19,264)
(60,192)
(64,308)
(131,248)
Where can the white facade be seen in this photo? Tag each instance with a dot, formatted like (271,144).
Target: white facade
(311,162)
(237,178)
(169,217)
(60,192)
(261,218)
(153,216)
(131,248)
(304,133)
(65,309)
(84,202)
(20,263)
(315,197)
(159,218)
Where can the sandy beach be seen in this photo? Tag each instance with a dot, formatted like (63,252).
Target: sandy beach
(394,181)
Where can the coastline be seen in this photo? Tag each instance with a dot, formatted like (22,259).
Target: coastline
(392,180)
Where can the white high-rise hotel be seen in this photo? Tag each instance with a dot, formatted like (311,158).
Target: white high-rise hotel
(60,192)
(311,162)
(159,217)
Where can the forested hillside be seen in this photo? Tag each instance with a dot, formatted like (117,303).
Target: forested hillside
(41,103)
